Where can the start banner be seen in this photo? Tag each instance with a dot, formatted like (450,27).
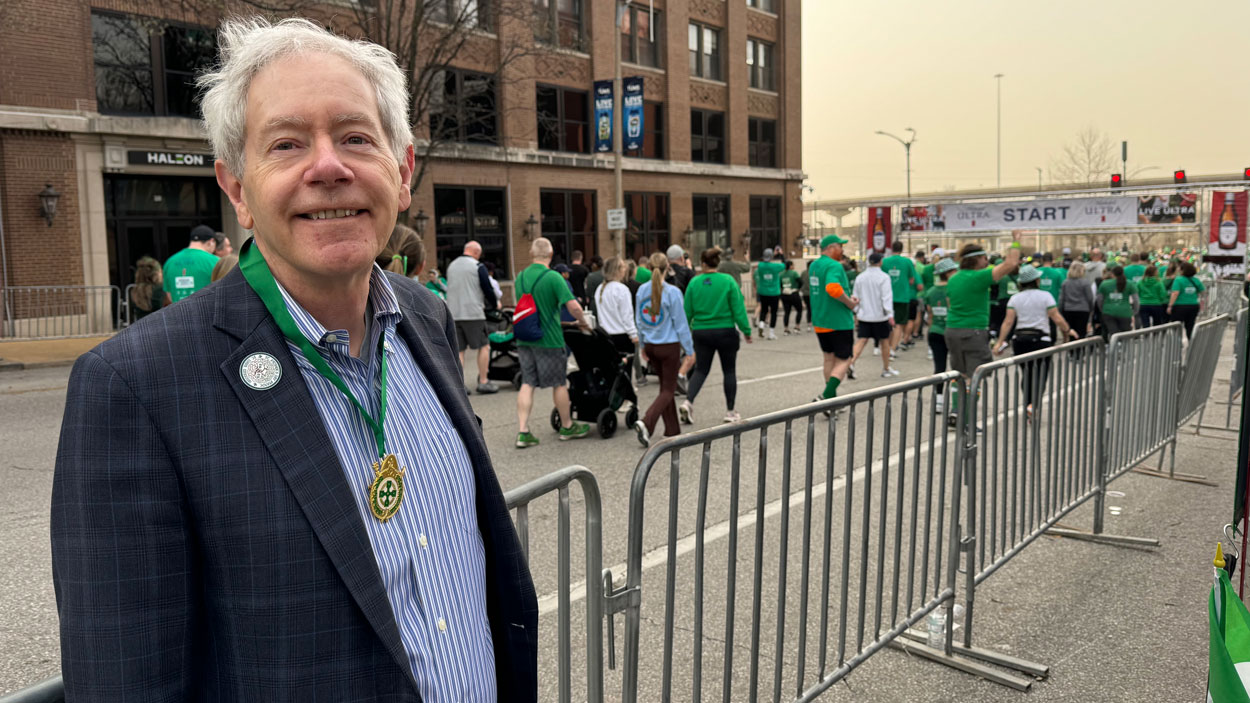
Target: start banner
(1042,214)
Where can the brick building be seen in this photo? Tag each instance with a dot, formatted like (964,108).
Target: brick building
(95,100)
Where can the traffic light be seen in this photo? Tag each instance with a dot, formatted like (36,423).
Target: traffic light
(1178,176)
(1246,174)
(1117,180)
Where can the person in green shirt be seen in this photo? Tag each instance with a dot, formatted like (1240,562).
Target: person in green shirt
(714,307)
(1052,276)
(832,315)
(768,286)
(735,269)
(1183,303)
(1117,302)
(192,268)
(936,304)
(1136,268)
(791,281)
(544,361)
(968,309)
(643,274)
(904,283)
(1153,297)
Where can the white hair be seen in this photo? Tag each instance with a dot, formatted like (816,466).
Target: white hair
(248,45)
(541,249)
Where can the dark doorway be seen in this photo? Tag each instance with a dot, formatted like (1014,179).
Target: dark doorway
(153,216)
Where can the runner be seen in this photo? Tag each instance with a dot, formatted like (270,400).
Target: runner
(661,320)
(1136,268)
(1154,299)
(831,313)
(1183,304)
(1031,312)
(790,283)
(1076,299)
(936,301)
(875,313)
(1117,301)
(905,282)
(968,312)
(768,287)
(714,305)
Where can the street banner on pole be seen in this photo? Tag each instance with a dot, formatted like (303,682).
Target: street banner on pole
(1042,214)
(631,105)
(603,117)
(1228,224)
(1176,208)
(879,238)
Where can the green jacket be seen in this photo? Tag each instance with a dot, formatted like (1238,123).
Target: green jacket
(713,301)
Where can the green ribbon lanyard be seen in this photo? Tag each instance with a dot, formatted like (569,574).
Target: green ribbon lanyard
(260,278)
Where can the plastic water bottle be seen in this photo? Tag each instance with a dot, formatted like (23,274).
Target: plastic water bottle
(937,627)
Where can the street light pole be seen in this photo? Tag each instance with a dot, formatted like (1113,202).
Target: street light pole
(906,147)
(1039,177)
(998,77)
(618,138)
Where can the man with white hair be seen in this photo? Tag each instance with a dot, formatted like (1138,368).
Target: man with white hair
(679,274)
(305,509)
(469,295)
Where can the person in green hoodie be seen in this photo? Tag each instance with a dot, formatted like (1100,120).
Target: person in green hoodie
(1154,298)
(714,307)
(1117,301)
(768,284)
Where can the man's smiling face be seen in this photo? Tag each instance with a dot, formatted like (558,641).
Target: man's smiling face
(320,185)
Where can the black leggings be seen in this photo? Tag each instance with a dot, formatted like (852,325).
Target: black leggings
(768,307)
(1152,315)
(1077,320)
(937,343)
(724,343)
(807,307)
(1039,368)
(1187,314)
(792,301)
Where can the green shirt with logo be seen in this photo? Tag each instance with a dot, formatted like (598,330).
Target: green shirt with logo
(1189,289)
(188,271)
(768,277)
(902,274)
(827,311)
(968,294)
(790,282)
(1052,280)
(550,293)
(1134,272)
(1115,302)
(937,301)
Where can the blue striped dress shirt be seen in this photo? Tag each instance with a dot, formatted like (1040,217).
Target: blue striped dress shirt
(430,553)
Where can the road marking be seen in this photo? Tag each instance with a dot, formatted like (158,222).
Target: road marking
(780,375)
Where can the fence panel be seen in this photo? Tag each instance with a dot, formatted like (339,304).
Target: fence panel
(820,583)
(1144,369)
(1201,358)
(53,312)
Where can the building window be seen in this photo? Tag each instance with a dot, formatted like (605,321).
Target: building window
(760,64)
(707,136)
(711,223)
(568,220)
(765,224)
(652,132)
(475,14)
(560,23)
(642,40)
(563,119)
(144,68)
(762,142)
(465,109)
(765,5)
(705,59)
(647,218)
(464,214)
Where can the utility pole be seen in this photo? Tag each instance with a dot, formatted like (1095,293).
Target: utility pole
(1039,177)
(998,77)
(1124,158)
(617,136)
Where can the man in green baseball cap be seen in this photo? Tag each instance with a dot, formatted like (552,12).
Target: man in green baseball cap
(832,315)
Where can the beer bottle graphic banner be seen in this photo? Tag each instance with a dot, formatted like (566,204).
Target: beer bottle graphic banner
(631,106)
(1228,224)
(879,237)
(603,117)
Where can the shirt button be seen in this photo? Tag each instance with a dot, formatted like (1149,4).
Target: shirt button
(442,625)
(332,338)
(422,541)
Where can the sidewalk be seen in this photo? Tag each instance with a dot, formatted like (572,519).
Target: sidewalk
(17,356)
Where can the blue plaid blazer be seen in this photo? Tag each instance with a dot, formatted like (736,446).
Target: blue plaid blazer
(205,545)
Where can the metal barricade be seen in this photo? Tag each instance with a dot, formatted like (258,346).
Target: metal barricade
(1236,380)
(1144,375)
(868,565)
(1201,358)
(50,691)
(54,312)
(127,313)
(1224,297)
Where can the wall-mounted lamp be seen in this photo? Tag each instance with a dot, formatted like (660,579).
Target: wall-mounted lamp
(686,234)
(422,220)
(47,202)
(531,228)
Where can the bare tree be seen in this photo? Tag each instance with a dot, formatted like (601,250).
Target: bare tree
(1088,159)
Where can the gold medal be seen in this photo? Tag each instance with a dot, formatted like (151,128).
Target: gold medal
(387,490)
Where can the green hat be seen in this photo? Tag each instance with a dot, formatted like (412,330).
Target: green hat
(1029,274)
(945,265)
(828,239)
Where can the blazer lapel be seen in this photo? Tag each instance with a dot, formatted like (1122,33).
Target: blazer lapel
(291,428)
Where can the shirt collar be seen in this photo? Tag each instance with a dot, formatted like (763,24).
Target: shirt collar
(382,300)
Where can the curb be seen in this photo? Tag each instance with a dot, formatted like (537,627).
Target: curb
(6,366)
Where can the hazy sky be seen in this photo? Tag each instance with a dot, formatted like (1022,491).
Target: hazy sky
(1168,76)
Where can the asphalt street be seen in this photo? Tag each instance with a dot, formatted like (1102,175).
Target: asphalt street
(1115,623)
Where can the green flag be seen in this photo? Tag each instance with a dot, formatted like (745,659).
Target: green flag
(1229,670)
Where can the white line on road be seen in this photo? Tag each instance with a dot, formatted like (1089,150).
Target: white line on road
(779,375)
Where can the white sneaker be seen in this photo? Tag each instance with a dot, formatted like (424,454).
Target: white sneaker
(786,331)
(939,405)
(733,416)
(894,371)
(772,334)
(930,355)
(644,437)
(876,351)
(686,412)
(760,324)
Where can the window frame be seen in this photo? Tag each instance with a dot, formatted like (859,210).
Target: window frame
(706,61)
(638,229)
(568,235)
(487,240)
(702,138)
(755,128)
(157,66)
(547,30)
(463,119)
(763,6)
(562,118)
(707,234)
(762,234)
(761,74)
(630,40)
(483,17)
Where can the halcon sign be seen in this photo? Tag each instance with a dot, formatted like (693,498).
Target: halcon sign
(167,158)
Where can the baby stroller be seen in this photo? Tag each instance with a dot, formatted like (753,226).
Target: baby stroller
(505,364)
(600,386)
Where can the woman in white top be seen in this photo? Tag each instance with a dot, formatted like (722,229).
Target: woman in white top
(1031,311)
(615,306)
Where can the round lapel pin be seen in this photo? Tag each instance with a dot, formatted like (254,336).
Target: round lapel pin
(260,371)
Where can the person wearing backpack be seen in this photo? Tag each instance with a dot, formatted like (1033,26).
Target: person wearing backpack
(542,294)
